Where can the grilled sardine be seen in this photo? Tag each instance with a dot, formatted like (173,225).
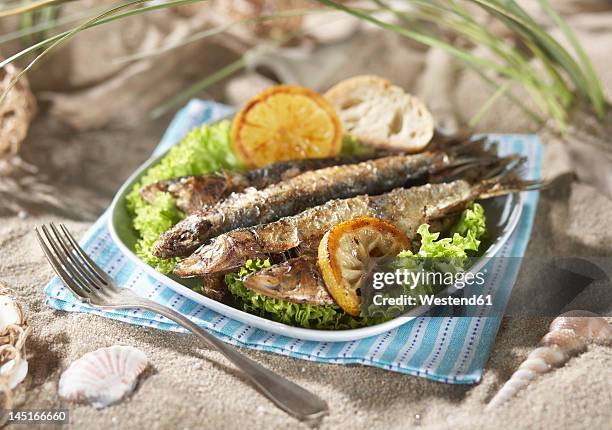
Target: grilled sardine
(297,280)
(193,193)
(213,286)
(295,195)
(406,208)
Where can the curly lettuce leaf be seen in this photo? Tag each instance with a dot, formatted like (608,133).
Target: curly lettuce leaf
(323,317)
(352,146)
(472,220)
(466,235)
(205,149)
(150,221)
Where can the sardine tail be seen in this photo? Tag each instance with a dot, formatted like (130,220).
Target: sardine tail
(475,169)
(489,189)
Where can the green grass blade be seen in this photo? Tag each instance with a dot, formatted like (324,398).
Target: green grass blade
(426,40)
(514,99)
(100,19)
(561,87)
(58,40)
(466,57)
(26,21)
(503,89)
(231,68)
(477,35)
(49,25)
(584,58)
(524,26)
(216,30)
(411,19)
(594,91)
(30,7)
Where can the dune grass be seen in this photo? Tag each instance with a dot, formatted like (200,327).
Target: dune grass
(555,78)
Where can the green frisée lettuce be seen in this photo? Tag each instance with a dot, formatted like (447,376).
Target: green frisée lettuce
(446,255)
(205,149)
(150,221)
(352,146)
(472,222)
(465,237)
(323,317)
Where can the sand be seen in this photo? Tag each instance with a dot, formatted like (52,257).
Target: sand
(188,386)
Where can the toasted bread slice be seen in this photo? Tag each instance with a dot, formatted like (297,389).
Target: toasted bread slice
(381,114)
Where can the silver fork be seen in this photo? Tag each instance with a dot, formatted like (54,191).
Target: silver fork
(93,286)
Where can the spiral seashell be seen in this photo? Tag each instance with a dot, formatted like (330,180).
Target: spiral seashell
(104,376)
(569,335)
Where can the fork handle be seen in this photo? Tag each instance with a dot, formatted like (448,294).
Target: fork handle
(285,394)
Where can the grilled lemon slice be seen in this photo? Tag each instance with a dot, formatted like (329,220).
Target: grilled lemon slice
(349,251)
(286,122)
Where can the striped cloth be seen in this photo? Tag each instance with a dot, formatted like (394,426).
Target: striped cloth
(452,350)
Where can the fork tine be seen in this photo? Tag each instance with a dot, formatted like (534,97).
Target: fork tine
(91,265)
(58,268)
(69,265)
(78,266)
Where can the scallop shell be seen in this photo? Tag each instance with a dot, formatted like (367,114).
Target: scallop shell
(14,330)
(10,313)
(104,376)
(16,370)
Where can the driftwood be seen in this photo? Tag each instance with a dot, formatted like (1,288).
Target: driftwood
(16,111)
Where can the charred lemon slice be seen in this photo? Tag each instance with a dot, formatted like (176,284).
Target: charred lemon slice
(286,122)
(349,251)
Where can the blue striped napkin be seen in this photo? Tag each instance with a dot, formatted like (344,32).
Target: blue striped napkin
(452,350)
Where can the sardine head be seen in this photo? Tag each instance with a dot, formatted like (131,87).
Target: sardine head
(182,239)
(225,252)
(297,280)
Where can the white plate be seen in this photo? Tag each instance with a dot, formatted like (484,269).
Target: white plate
(502,213)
